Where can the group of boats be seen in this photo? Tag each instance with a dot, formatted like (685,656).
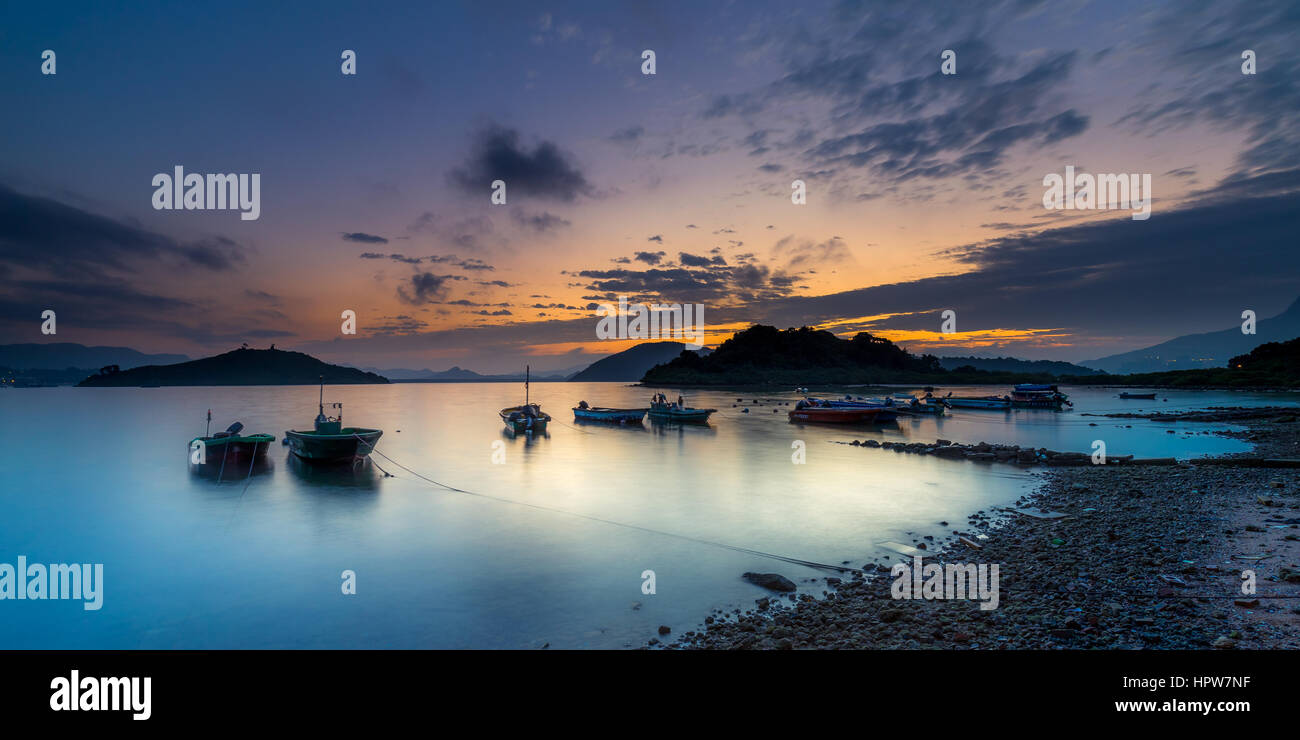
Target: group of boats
(328,441)
(530,418)
(871,410)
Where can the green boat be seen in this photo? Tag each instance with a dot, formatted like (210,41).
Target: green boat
(330,441)
(229,445)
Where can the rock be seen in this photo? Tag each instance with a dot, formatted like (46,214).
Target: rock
(1224,643)
(664,629)
(772,581)
(1247,603)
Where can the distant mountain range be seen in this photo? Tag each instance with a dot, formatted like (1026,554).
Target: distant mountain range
(461,375)
(62,355)
(239,367)
(630,364)
(1212,349)
(1013,365)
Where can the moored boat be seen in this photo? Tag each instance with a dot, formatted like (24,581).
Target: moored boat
(661,410)
(979,402)
(330,441)
(228,445)
(840,412)
(1035,396)
(526,418)
(584,412)
(1139,396)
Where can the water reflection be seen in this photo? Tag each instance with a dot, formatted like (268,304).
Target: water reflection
(360,474)
(233,471)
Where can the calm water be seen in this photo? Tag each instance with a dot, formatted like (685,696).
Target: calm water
(101,476)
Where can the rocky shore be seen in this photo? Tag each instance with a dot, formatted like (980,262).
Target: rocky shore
(1139,558)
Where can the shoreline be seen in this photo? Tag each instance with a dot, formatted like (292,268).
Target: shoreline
(1146,558)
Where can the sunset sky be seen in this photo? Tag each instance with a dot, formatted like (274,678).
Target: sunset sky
(924,190)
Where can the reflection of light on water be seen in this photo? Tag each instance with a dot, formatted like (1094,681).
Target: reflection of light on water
(441,569)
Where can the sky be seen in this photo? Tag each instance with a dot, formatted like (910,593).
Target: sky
(924,190)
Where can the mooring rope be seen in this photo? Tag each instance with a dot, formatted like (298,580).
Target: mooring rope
(723,545)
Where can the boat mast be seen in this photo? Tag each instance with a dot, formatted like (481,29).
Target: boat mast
(322,395)
(527,369)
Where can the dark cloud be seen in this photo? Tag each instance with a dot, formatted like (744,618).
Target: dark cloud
(656,238)
(425,287)
(363,238)
(650,258)
(45,235)
(628,135)
(542,222)
(541,172)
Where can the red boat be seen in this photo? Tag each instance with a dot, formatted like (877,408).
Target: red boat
(820,411)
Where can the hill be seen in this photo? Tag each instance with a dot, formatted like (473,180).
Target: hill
(63,355)
(767,355)
(1271,365)
(1014,365)
(631,364)
(1208,350)
(240,367)
(461,375)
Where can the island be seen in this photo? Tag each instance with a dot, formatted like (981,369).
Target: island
(767,356)
(243,366)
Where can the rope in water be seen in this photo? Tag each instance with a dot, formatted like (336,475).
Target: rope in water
(734,548)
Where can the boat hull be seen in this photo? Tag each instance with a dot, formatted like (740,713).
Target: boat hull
(1138,396)
(842,415)
(348,445)
(686,416)
(518,422)
(979,403)
(234,447)
(613,416)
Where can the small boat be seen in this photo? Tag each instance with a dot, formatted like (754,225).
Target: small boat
(528,417)
(584,412)
(1139,396)
(1035,396)
(330,441)
(886,409)
(230,444)
(661,410)
(979,402)
(818,410)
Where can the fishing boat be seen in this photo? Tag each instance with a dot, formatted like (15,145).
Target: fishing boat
(1139,396)
(528,417)
(1034,396)
(661,410)
(846,412)
(330,441)
(584,412)
(886,409)
(978,402)
(230,444)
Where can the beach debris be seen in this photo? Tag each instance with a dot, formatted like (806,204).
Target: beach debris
(1224,643)
(1246,603)
(1175,580)
(902,549)
(1251,557)
(971,543)
(770,581)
